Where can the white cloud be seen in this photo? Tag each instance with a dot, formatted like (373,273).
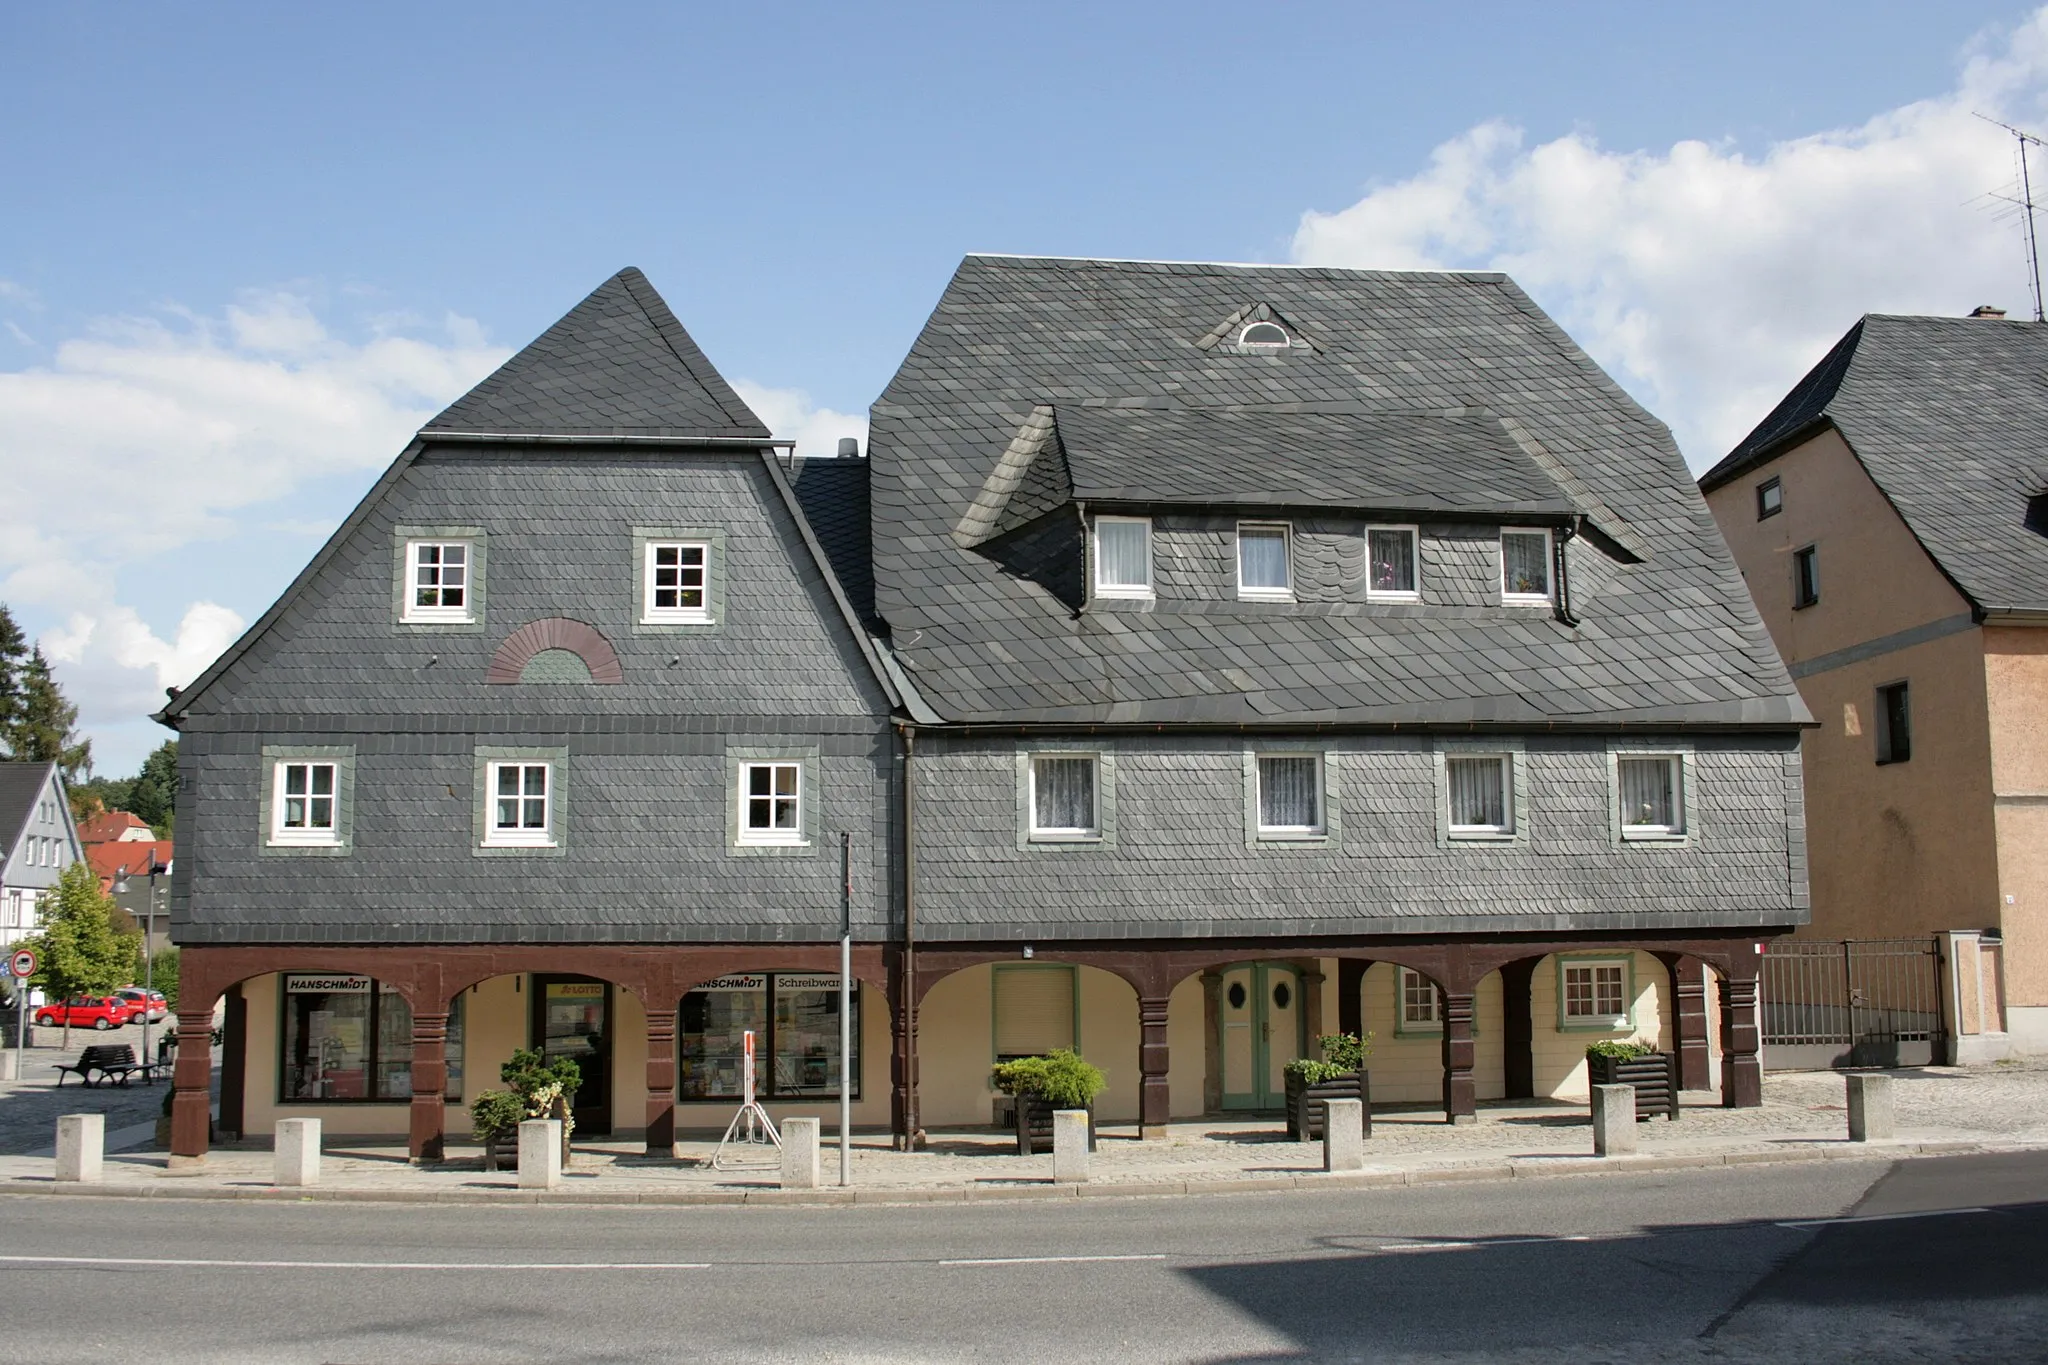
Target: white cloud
(143,436)
(790,414)
(1708,280)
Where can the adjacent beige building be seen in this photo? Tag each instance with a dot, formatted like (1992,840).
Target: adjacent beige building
(1891,518)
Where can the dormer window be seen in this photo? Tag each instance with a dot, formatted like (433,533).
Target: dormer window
(1525,566)
(1123,557)
(1390,568)
(1265,335)
(1262,563)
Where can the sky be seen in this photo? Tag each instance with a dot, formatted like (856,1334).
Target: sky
(248,249)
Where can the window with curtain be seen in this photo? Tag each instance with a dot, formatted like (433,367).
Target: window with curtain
(1063,795)
(1290,794)
(1390,552)
(1650,795)
(1123,557)
(1262,568)
(1525,565)
(1479,795)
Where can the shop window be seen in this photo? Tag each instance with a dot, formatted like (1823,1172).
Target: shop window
(344,1037)
(795,1021)
(1035,1009)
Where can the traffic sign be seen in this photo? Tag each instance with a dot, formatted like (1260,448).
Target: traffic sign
(23,964)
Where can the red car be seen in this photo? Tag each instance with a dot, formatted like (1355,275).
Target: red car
(100,1011)
(149,1004)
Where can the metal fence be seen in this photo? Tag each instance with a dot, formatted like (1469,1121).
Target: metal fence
(1863,1002)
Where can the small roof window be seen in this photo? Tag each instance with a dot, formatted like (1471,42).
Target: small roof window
(1270,334)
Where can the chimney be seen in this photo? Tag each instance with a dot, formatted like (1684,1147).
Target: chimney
(849,448)
(1989,312)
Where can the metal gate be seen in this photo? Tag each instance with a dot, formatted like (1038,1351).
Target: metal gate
(1863,1002)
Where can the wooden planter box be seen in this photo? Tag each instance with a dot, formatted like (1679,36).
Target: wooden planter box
(1655,1078)
(1307,1105)
(1034,1124)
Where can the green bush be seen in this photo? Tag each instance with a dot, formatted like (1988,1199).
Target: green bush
(1343,1053)
(1635,1047)
(495,1113)
(1061,1077)
(547,1089)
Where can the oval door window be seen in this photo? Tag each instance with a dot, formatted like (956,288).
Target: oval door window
(1237,995)
(1281,995)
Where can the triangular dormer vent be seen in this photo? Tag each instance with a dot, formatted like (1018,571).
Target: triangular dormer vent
(1255,329)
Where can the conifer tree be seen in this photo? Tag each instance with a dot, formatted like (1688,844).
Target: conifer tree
(13,657)
(42,731)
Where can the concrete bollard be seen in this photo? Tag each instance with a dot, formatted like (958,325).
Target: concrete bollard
(799,1154)
(10,1065)
(1344,1136)
(1069,1146)
(540,1154)
(1614,1119)
(81,1146)
(1870,1108)
(297,1149)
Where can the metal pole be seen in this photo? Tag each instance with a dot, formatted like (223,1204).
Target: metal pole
(845,1007)
(148,970)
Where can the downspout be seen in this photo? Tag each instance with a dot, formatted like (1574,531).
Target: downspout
(912,1136)
(1563,610)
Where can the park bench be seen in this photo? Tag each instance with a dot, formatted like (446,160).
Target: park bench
(113,1062)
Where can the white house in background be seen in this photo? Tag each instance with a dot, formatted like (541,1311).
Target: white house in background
(37,842)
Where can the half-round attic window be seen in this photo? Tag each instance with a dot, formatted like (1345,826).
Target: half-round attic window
(1264,334)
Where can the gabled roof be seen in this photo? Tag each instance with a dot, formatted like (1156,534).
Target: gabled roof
(1117,361)
(115,826)
(20,785)
(617,364)
(1949,416)
(140,859)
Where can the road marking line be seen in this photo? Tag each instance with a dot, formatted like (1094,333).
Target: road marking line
(1877,1218)
(168,1263)
(1050,1260)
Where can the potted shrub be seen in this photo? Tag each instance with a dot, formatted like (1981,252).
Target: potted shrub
(1058,1080)
(494,1117)
(1339,1075)
(546,1089)
(1654,1074)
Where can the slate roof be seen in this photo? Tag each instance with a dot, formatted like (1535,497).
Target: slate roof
(617,364)
(1667,634)
(20,785)
(834,497)
(1949,416)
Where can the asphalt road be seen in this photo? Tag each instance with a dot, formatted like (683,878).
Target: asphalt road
(1938,1260)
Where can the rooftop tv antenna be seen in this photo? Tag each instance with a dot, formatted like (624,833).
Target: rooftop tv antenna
(2024,202)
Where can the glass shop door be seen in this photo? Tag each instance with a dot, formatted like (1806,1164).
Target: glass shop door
(572,1017)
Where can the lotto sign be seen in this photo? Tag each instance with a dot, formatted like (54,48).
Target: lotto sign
(747,1067)
(22,964)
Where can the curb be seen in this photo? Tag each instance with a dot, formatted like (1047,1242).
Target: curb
(1514,1168)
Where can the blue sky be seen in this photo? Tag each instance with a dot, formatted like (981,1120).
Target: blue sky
(247,246)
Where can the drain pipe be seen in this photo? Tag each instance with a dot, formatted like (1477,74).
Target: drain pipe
(1564,588)
(912,1137)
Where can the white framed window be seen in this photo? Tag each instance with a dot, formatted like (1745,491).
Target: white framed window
(521,809)
(1264,562)
(1525,566)
(677,576)
(1264,335)
(1290,795)
(1594,993)
(439,580)
(1651,789)
(305,803)
(1123,557)
(1393,573)
(1418,1003)
(1481,794)
(771,800)
(1065,797)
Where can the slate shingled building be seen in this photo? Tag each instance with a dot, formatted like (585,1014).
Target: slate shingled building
(1203,658)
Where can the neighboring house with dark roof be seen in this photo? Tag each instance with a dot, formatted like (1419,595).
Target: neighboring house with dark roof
(1307,649)
(566,720)
(37,842)
(1891,517)
(1205,658)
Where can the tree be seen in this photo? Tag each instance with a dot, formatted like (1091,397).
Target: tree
(13,657)
(78,951)
(43,731)
(154,795)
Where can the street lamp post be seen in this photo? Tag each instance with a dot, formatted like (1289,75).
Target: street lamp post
(148,951)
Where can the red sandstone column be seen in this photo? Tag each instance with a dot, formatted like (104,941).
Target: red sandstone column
(1155,1105)
(1461,1104)
(1689,992)
(1742,1072)
(661,1081)
(428,1141)
(192,1079)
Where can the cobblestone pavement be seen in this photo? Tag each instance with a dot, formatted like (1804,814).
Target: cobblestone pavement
(1803,1117)
(29,1107)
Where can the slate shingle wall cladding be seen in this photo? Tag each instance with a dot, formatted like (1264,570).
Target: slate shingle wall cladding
(646,860)
(1181,867)
(561,544)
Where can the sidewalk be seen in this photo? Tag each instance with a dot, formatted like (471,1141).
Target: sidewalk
(1940,1110)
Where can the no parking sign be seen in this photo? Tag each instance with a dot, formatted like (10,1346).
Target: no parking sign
(23,964)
